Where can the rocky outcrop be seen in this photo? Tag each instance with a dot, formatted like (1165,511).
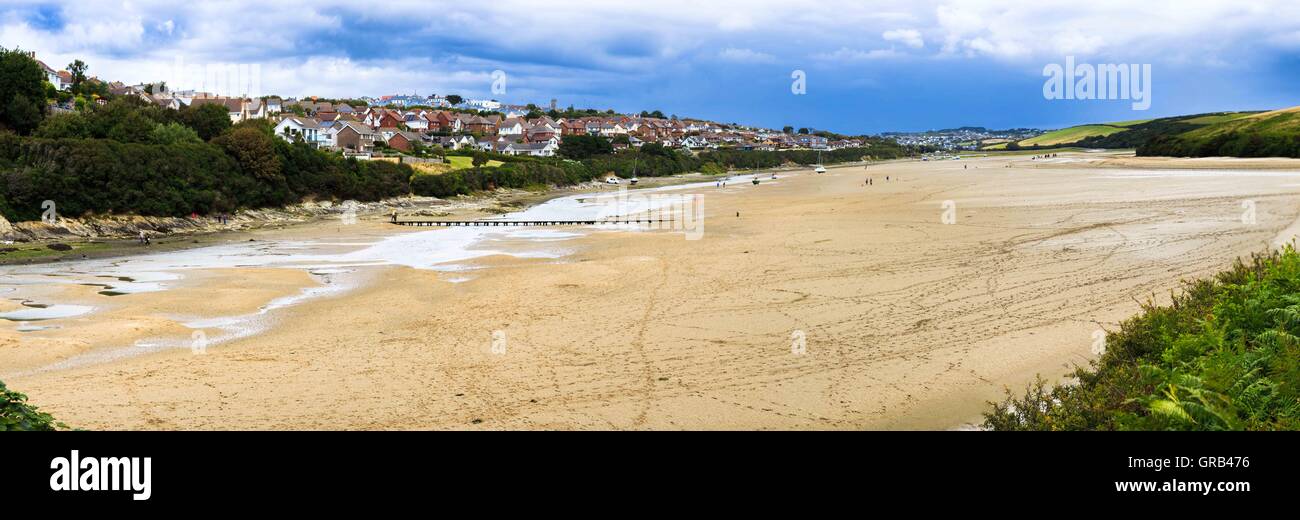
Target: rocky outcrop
(131,226)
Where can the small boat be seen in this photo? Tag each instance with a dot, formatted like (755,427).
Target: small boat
(632,181)
(819,168)
(756,181)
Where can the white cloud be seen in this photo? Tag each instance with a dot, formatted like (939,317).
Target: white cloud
(409,44)
(745,56)
(846,54)
(909,37)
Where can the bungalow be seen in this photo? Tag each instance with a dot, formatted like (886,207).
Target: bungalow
(546,149)
(693,142)
(490,144)
(453,142)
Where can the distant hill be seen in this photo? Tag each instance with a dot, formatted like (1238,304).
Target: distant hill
(1069,135)
(1244,134)
(1261,134)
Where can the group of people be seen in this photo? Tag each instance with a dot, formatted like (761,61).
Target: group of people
(144,238)
(871,181)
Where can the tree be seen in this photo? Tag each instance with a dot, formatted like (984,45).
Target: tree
(22,91)
(803,131)
(78,71)
(132,128)
(455,99)
(209,120)
(478,159)
(787,130)
(64,126)
(173,133)
(253,150)
(23,115)
(579,147)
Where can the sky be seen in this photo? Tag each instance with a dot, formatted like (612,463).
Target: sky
(865,66)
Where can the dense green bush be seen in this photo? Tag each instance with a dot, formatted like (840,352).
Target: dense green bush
(1225,355)
(17,415)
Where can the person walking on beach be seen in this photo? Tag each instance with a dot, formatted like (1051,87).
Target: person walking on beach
(394,216)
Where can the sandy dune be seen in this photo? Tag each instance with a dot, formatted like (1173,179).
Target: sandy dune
(908,322)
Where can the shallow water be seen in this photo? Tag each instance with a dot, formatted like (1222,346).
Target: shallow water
(337,264)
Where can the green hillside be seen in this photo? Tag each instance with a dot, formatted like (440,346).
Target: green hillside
(1071,135)
(1262,134)
(1179,135)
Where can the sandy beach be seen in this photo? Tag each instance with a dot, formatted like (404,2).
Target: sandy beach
(810,302)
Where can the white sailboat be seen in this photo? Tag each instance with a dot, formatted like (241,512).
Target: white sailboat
(819,168)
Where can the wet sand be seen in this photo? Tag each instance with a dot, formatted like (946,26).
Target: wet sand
(907,322)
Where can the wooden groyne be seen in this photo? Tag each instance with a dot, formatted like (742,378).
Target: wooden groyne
(490,223)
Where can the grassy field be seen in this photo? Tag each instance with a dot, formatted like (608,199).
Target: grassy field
(1072,134)
(460,163)
(1217,118)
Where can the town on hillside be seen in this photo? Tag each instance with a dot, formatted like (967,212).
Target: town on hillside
(366,127)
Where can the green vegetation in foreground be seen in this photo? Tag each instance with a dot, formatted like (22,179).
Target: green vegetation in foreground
(1224,355)
(1072,134)
(17,415)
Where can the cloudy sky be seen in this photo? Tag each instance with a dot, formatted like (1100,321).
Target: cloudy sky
(870,66)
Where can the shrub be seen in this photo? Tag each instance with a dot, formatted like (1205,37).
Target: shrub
(1224,355)
(17,415)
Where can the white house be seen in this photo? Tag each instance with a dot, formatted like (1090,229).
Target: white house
(542,149)
(510,127)
(307,129)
